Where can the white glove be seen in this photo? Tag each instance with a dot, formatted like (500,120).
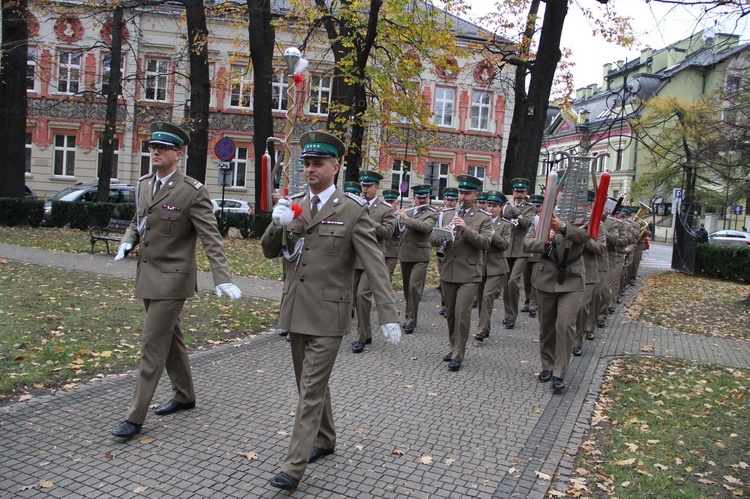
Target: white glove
(229,289)
(122,249)
(282,213)
(392,331)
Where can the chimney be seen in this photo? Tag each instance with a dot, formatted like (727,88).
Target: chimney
(646,55)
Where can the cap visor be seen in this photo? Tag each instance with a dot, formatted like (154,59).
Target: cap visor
(163,142)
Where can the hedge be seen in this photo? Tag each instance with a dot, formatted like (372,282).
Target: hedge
(731,263)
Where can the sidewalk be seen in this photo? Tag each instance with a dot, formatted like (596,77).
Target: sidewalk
(482,432)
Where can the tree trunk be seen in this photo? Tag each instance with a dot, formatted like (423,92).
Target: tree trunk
(200,89)
(534,114)
(261,37)
(13,104)
(519,106)
(110,119)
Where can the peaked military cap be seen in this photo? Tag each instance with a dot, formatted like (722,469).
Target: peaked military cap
(536,199)
(481,196)
(168,134)
(468,183)
(369,177)
(390,194)
(450,193)
(520,183)
(317,144)
(422,191)
(496,197)
(353,187)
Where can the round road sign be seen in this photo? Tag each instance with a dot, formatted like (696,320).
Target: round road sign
(225,149)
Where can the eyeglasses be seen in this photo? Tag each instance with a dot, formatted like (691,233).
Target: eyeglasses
(161,148)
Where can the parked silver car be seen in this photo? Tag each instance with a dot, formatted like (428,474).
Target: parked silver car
(232,206)
(730,237)
(118,193)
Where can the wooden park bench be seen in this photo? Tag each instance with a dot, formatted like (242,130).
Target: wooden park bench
(114,231)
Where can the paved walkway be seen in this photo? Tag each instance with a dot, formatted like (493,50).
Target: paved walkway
(406,425)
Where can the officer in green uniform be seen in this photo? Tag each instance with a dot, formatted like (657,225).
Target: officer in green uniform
(332,230)
(495,263)
(529,304)
(392,243)
(450,198)
(414,253)
(482,200)
(385,222)
(463,264)
(516,255)
(353,188)
(172,212)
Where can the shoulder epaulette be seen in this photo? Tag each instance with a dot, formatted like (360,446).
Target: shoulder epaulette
(359,199)
(195,183)
(144,177)
(433,209)
(298,195)
(485,212)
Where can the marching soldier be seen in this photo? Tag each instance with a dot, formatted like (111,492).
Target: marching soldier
(450,198)
(529,304)
(385,222)
(462,265)
(172,212)
(559,278)
(495,264)
(332,230)
(416,225)
(593,251)
(482,200)
(392,243)
(516,255)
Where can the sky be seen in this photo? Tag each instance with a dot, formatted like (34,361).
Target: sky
(655,25)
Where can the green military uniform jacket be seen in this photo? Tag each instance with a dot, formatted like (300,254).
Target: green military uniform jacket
(495,262)
(317,294)
(171,223)
(415,240)
(518,230)
(546,276)
(382,215)
(464,258)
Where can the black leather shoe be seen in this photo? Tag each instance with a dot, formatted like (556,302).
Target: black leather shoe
(317,453)
(532,313)
(510,324)
(284,481)
(480,337)
(454,365)
(368,341)
(408,329)
(558,384)
(283,332)
(525,308)
(358,347)
(611,310)
(600,323)
(126,430)
(474,304)
(173,406)
(448,357)
(443,311)
(545,376)
(590,335)
(505,321)
(619,299)
(577,351)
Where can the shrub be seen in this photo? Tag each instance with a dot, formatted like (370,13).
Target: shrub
(731,263)
(20,211)
(82,215)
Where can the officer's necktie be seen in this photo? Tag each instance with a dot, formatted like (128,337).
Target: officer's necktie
(156,189)
(314,206)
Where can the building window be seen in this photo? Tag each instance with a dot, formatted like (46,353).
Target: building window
(156,79)
(31,69)
(65,155)
(480,111)
(68,71)
(601,163)
(106,71)
(279,93)
(239,167)
(145,158)
(320,94)
(28,152)
(400,174)
(242,90)
(100,157)
(436,174)
(478,172)
(444,98)
(733,83)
